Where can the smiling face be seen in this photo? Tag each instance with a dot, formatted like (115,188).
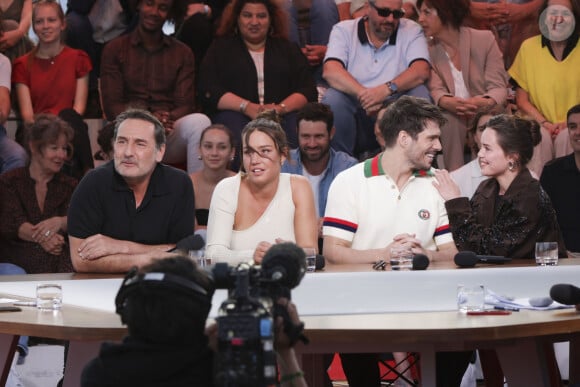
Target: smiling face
(48,22)
(51,157)
(215,149)
(254,23)
(383,27)
(153,14)
(429,20)
(313,140)
(135,152)
(421,151)
(492,159)
(262,160)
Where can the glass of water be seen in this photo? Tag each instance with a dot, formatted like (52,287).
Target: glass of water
(547,253)
(48,296)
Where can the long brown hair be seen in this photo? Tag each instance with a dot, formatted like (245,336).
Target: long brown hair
(279,18)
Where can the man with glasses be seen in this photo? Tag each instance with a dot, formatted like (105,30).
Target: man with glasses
(369,61)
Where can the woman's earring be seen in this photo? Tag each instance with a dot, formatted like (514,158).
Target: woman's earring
(199,157)
(511,165)
(232,159)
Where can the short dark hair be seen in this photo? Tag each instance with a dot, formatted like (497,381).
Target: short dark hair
(516,136)
(409,114)
(144,115)
(46,129)
(314,112)
(162,314)
(573,110)
(450,12)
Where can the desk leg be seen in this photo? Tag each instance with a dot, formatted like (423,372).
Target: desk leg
(524,363)
(428,373)
(574,361)
(7,348)
(79,354)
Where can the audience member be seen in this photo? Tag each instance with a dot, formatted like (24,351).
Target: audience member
(253,66)
(510,211)
(544,70)
(53,78)
(310,24)
(165,306)
(260,206)
(469,176)
(12,155)
(127,68)
(90,25)
(389,201)
(15,18)
(561,180)
(467,73)
(34,201)
(131,209)
(371,59)
(511,21)
(216,150)
(314,158)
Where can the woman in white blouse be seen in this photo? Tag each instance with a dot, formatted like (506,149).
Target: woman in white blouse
(260,205)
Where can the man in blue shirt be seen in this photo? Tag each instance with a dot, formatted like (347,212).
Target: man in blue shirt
(314,158)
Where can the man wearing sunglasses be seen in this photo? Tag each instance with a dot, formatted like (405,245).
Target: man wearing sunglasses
(369,61)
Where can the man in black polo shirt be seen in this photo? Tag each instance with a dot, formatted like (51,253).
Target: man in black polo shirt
(133,208)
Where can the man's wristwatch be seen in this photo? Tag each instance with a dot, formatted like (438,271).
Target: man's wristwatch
(392,87)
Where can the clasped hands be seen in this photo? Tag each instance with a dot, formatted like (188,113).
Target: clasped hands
(45,233)
(371,99)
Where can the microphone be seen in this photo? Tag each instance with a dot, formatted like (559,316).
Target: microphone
(565,294)
(190,242)
(469,259)
(419,262)
(284,263)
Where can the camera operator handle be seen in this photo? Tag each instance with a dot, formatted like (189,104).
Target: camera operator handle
(294,332)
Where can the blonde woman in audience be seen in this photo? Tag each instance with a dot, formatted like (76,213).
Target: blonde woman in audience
(54,78)
(467,73)
(260,205)
(545,70)
(216,151)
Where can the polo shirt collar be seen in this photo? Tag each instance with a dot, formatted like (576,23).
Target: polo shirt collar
(569,163)
(158,184)
(363,37)
(135,39)
(373,167)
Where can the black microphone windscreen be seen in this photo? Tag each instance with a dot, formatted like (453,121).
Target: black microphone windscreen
(465,259)
(287,261)
(420,262)
(565,294)
(190,242)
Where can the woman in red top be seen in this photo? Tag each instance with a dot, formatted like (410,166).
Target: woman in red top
(53,78)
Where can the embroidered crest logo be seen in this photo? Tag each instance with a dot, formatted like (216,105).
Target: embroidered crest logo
(424,214)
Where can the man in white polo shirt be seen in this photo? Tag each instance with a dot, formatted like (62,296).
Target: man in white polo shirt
(371,59)
(390,201)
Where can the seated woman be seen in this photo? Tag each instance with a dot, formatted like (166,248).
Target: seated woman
(34,202)
(252,66)
(510,211)
(14,26)
(467,73)
(260,206)
(545,73)
(216,150)
(53,78)
(469,176)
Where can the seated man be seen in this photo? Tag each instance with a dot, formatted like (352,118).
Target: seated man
(150,70)
(561,180)
(133,208)
(369,60)
(314,158)
(165,307)
(12,155)
(389,202)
